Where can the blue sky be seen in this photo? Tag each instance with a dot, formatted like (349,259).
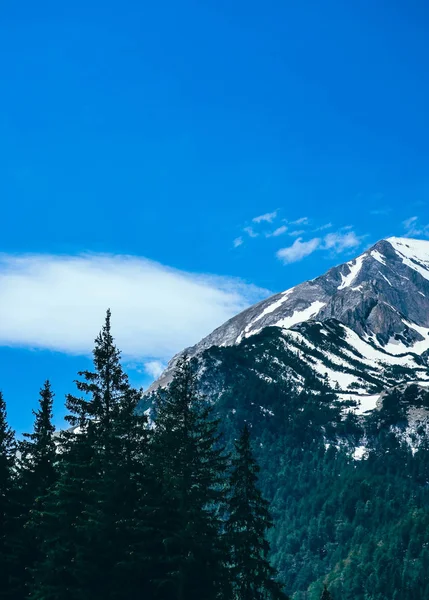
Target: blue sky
(141,142)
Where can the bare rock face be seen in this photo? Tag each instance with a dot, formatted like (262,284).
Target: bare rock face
(382,295)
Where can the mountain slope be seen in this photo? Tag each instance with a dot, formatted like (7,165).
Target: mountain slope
(381,298)
(332,379)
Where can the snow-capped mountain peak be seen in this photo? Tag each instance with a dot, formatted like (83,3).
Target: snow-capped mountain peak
(414,253)
(381,298)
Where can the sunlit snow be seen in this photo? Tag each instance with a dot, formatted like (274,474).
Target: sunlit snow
(414,254)
(376,254)
(301,315)
(397,347)
(354,267)
(269,309)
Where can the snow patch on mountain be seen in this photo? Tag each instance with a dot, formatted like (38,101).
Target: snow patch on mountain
(360,452)
(354,266)
(385,278)
(379,257)
(267,310)
(396,347)
(301,315)
(414,254)
(380,356)
(364,402)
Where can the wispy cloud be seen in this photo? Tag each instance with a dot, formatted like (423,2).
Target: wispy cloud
(267,217)
(154,368)
(410,226)
(301,221)
(279,231)
(336,243)
(251,232)
(298,250)
(410,223)
(59,303)
(296,232)
(413,227)
(323,227)
(254,231)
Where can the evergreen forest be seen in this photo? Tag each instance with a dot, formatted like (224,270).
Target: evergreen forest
(120,506)
(175,496)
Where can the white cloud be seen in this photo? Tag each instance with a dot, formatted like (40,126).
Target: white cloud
(279,231)
(250,232)
(267,217)
(296,233)
(238,242)
(409,223)
(335,242)
(301,221)
(59,303)
(413,227)
(298,250)
(154,368)
(323,227)
(338,242)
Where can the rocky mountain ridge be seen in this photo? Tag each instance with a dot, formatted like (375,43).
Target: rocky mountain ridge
(371,313)
(332,378)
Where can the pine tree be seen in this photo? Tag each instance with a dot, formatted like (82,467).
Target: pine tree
(38,449)
(325,594)
(190,465)
(137,505)
(56,576)
(115,525)
(37,474)
(97,503)
(7,503)
(252,575)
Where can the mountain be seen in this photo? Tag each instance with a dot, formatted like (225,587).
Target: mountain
(362,325)
(332,378)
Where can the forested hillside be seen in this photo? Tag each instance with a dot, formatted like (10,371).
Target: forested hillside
(121,507)
(231,484)
(348,489)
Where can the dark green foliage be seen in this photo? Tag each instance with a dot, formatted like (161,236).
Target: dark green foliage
(62,538)
(336,518)
(8,512)
(118,440)
(127,511)
(38,450)
(99,489)
(325,594)
(37,474)
(190,465)
(112,509)
(253,578)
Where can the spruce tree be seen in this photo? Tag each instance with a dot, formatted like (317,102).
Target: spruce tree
(37,474)
(191,466)
(114,514)
(98,491)
(253,578)
(137,505)
(56,575)
(7,504)
(325,594)
(38,450)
